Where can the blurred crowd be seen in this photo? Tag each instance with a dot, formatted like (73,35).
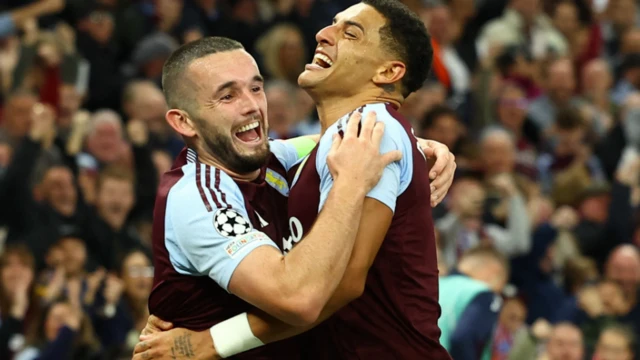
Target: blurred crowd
(538,99)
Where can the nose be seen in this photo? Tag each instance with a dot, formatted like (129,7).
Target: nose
(326,36)
(250,104)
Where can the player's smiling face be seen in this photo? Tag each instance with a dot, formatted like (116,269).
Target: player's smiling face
(232,109)
(348,54)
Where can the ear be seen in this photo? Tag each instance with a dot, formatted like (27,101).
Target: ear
(180,122)
(390,73)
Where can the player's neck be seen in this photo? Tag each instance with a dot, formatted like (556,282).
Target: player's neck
(207,159)
(332,109)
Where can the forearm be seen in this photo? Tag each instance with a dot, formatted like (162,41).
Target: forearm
(325,251)
(36,10)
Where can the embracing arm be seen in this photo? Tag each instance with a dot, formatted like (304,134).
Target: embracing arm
(276,284)
(375,221)
(297,287)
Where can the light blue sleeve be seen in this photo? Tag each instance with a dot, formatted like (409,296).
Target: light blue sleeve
(396,176)
(7,26)
(209,241)
(286,152)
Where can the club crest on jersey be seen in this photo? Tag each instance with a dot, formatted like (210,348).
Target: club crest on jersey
(277,182)
(234,246)
(229,223)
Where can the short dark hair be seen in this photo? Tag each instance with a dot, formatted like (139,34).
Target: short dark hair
(435,114)
(569,118)
(173,71)
(406,36)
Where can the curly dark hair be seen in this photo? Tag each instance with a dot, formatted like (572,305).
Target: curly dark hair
(405,35)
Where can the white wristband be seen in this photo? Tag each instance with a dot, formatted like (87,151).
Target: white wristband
(234,336)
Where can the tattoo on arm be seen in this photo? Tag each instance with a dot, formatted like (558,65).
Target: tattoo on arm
(182,348)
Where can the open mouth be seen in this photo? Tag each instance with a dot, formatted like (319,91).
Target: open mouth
(322,60)
(249,133)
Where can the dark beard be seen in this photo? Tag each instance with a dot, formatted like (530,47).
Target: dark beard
(222,148)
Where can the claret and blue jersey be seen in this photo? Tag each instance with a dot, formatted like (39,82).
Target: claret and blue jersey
(396,317)
(205,224)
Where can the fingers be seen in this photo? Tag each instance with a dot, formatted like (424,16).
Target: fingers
(335,144)
(442,160)
(368,125)
(391,156)
(378,133)
(352,125)
(141,347)
(159,323)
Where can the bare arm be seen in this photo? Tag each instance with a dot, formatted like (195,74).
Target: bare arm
(297,287)
(37,9)
(267,328)
(375,221)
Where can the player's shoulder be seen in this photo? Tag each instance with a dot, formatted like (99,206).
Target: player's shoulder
(203,188)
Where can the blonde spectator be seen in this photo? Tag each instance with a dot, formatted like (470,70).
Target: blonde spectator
(283,53)
(615,343)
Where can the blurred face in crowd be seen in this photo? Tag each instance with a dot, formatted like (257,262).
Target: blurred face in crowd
(513,315)
(561,82)
(74,255)
(468,197)
(569,141)
(596,76)
(348,56)
(58,190)
(137,276)
(613,345)
(512,109)
(565,18)
(292,54)
(439,22)
(17,114)
(595,208)
(623,267)
(14,272)
(115,197)
(70,102)
(231,118)
(498,154)
(445,129)
(106,141)
(281,110)
(149,105)
(56,319)
(565,343)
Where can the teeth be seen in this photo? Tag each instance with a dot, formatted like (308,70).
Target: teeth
(248,127)
(324,58)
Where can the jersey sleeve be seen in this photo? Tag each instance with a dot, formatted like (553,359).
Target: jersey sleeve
(289,152)
(395,177)
(208,231)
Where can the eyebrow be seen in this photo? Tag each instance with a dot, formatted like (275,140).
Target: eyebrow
(351,23)
(230,84)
